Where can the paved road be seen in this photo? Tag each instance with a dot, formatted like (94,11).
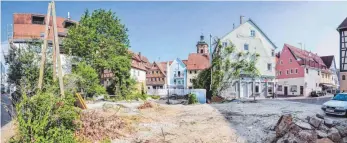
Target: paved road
(311,100)
(5,104)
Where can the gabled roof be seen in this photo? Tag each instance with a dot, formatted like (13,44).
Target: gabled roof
(198,61)
(328,60)
(256,26)
(305,55)
(343,25)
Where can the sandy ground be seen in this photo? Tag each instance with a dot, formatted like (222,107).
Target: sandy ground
(178,124)
(214,123)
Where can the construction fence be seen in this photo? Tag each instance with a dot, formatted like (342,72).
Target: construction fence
(165,93)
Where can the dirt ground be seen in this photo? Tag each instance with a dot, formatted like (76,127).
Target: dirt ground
(210,123)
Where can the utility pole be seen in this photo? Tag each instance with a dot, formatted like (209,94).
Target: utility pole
(211,60)
(56,50)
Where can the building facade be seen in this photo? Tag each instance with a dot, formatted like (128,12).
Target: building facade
(156,76)
(299,72)
(248,37)
(342,29)
(177,74)
(28,27)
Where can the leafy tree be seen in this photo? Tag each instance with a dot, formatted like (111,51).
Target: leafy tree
(226,72)
(102,42)
(88,80)
(23,72)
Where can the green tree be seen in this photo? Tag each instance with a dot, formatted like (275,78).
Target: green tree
(23,72)
(225,71)
(102,42)
(88,80)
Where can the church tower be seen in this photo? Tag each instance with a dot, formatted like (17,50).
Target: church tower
(202,46)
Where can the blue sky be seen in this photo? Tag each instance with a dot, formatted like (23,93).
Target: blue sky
(167,30)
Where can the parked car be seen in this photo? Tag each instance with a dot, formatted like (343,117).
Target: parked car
(316,93)
(337,105)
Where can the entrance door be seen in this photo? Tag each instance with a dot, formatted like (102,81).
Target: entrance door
(301,90)
(285,90)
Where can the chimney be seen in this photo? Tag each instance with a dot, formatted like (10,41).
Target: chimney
(68,15)
(241,19)
(233,25)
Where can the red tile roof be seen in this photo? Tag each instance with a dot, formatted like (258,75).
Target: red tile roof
(198,61)
(307,58)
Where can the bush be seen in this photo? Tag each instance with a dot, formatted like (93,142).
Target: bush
(46,117)
(155,96)
(192,99)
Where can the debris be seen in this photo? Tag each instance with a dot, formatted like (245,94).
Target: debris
(303,125)
(283,125)
(334,135)
(314,121)
(320,116)
(147,104)
(98,125)
(321,134)
(328,122)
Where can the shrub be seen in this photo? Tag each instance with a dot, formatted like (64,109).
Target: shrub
(46,117)
(155,96)
(192,99)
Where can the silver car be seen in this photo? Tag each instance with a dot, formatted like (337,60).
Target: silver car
(337,105)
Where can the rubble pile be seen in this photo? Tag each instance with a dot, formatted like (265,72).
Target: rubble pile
(313,129)
(147,104)
(98,125)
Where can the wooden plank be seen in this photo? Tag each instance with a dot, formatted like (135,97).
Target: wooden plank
(44,48)
(80,101)
(55,31)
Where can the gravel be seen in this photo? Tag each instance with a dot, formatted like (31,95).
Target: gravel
(255,121)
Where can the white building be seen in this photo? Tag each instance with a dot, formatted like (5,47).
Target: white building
(248,37)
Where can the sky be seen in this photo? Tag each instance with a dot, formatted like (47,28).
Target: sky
(168,30)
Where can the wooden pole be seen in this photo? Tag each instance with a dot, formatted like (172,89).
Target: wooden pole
(54,61)
(43,51)
(55,31)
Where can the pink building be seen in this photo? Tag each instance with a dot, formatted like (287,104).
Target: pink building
(298,71)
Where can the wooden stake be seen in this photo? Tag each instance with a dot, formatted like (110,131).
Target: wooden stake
(43,51)
(55,31)
(54,61)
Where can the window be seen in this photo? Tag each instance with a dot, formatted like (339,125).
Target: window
(296,70)
(245,47)
(318,72)
(269,67)
(287,72)
(195,72)
(162,79)
(179,73)
(290,60)
(280,72)
(179,82)
(279,88)
(148,87)
(190,80)
(156,71)
(293,88)
(158,79)
(252,33)
(152,72)
(190,72)
(343,77)
(201,51)
(281,62)
(155,79)
(175,81)
(225,44)
(291,71)
(273,53)
(257,88)
(38,19)
(307,71)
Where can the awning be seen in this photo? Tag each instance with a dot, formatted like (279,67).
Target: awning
(327,84)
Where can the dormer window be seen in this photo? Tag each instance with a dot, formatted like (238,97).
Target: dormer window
(38,19)
(68,23)
(252,33)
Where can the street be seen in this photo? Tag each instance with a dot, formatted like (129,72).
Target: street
(5,104)
(310,100)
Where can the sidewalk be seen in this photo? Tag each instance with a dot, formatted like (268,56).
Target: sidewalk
(304,97)
(7,132)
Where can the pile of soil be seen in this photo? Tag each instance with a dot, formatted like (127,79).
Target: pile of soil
(147,104)
(99,125)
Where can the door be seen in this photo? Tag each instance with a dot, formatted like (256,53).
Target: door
(244,88)
(301,90)
(285,90)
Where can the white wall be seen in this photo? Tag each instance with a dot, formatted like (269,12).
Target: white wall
(259,44)
(191,76)
(312,80)
(289,82)
(138,75)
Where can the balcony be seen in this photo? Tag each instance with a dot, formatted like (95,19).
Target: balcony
(179,76)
